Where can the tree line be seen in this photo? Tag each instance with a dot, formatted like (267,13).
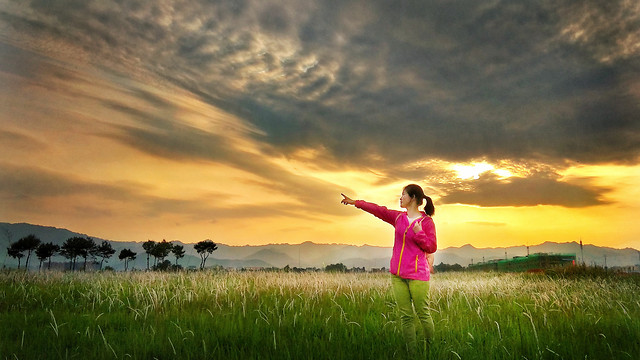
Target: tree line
(86,248)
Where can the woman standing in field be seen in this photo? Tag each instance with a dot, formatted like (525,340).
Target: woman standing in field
(415,242)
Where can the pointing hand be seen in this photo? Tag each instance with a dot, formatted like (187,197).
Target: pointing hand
(347,200)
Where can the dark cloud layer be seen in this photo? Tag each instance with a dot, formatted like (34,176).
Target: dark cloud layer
(538,189)
(375,83)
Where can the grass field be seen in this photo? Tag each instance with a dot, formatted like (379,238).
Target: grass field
(258,315)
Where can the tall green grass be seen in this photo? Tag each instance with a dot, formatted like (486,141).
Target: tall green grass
(256,315)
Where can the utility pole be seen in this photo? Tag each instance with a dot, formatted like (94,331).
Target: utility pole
(581,252)
(605,262)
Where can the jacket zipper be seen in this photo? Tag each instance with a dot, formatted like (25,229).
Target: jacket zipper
(404,237)
(416,263)
(402,250)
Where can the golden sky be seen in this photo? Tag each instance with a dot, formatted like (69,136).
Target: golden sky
(244,123)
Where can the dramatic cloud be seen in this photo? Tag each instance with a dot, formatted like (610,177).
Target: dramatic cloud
(466,80)
(537,189)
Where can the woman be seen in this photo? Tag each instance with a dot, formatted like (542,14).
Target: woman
(415,241)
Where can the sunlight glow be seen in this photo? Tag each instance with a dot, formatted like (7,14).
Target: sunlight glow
(475,169)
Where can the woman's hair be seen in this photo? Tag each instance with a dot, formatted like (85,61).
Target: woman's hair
(415,191)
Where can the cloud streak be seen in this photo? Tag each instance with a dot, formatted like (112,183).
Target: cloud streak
(32,189)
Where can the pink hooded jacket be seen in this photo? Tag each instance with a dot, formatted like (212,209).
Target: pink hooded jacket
(409,259)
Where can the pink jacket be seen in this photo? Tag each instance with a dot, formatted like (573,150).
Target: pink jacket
(409,259)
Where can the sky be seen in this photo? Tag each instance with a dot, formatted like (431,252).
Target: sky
(242,121)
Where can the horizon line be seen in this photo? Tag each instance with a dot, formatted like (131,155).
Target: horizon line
(316,243)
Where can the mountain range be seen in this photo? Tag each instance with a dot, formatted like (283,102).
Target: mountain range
(308,254)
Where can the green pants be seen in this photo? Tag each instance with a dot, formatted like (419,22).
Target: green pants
(412,294)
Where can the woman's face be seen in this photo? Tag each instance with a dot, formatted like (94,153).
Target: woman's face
(405,200)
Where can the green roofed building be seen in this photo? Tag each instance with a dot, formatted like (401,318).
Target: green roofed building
(538,261)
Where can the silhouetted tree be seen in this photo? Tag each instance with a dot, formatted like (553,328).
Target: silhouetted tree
(15,252)
(205,248)
(148,247)
(70,250)
(339,267)
(442,267)
(164,265)
(178,252)
(28,243)
(103,251)
(161,250)
(126,255)
(46,251)
(88,249)
(76,246)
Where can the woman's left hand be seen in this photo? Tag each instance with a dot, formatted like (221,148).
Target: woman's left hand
(418,226)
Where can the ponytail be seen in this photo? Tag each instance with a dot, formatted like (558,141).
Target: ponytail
(429,209)
(415,191)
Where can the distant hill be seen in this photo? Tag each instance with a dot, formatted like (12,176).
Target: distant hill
(273,257)
(309,254)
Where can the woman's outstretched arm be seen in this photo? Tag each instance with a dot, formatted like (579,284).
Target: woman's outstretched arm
(378,211)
